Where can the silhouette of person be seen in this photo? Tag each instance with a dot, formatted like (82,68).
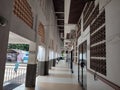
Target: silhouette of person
(19,58)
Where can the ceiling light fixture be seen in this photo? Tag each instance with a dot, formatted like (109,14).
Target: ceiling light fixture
(87,0)
(3,21)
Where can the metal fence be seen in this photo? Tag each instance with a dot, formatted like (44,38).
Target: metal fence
(15,77)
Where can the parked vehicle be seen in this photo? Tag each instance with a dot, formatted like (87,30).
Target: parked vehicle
(12,55)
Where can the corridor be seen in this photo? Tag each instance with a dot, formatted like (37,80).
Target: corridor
(83,35)
(60,78)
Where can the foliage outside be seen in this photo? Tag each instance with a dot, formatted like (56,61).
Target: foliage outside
(24,47)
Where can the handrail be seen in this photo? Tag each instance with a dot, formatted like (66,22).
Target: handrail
(14,77)
(111,84)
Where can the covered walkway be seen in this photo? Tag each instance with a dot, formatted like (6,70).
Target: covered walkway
(86,33)
(60,78)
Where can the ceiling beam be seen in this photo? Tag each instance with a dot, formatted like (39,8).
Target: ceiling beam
(59,12)
(60,19)
(60,25)
(61,29)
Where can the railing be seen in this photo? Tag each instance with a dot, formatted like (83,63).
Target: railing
(15,77)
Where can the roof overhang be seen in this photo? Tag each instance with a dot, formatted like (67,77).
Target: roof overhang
(59,12)
(76,8)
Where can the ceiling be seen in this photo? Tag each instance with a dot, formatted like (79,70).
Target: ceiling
(59,12)
(68,13)
(73,12)
(76,8)
(17,39)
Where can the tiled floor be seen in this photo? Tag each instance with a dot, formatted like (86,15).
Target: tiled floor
(60,78)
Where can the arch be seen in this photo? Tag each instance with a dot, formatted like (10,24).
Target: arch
(41,32)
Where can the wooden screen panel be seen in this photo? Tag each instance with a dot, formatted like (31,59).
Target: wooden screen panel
(98,36)
(88,11)
(79,29)
(98,65)
(100,20)
(93,14)
(98,50)
(92,17)
(98,44)
(41,32)
(87,16)
(22,10)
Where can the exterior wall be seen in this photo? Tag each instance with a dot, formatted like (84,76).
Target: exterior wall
(112,12)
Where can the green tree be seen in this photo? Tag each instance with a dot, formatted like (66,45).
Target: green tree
(24,47)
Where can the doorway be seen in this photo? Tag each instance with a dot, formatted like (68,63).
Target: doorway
(82,65)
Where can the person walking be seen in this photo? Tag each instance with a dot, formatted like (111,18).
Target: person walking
(19,59)
(16,67)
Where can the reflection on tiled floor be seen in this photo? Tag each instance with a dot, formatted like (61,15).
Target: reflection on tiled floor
(62,75)
(57,86)
(60,78)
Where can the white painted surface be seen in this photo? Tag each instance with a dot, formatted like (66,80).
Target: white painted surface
(112,45)
(68,28)
(96,85)
(32,53)
(14,38)
(21,28)
(67,10)
(103,3)
(46,16)
(113,41)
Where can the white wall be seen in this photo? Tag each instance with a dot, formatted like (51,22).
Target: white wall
(112,10)
(19,27)
(96,85)
(113,41)
(32,53)
(46,16)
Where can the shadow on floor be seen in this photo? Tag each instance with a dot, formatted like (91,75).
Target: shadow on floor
(11,86)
